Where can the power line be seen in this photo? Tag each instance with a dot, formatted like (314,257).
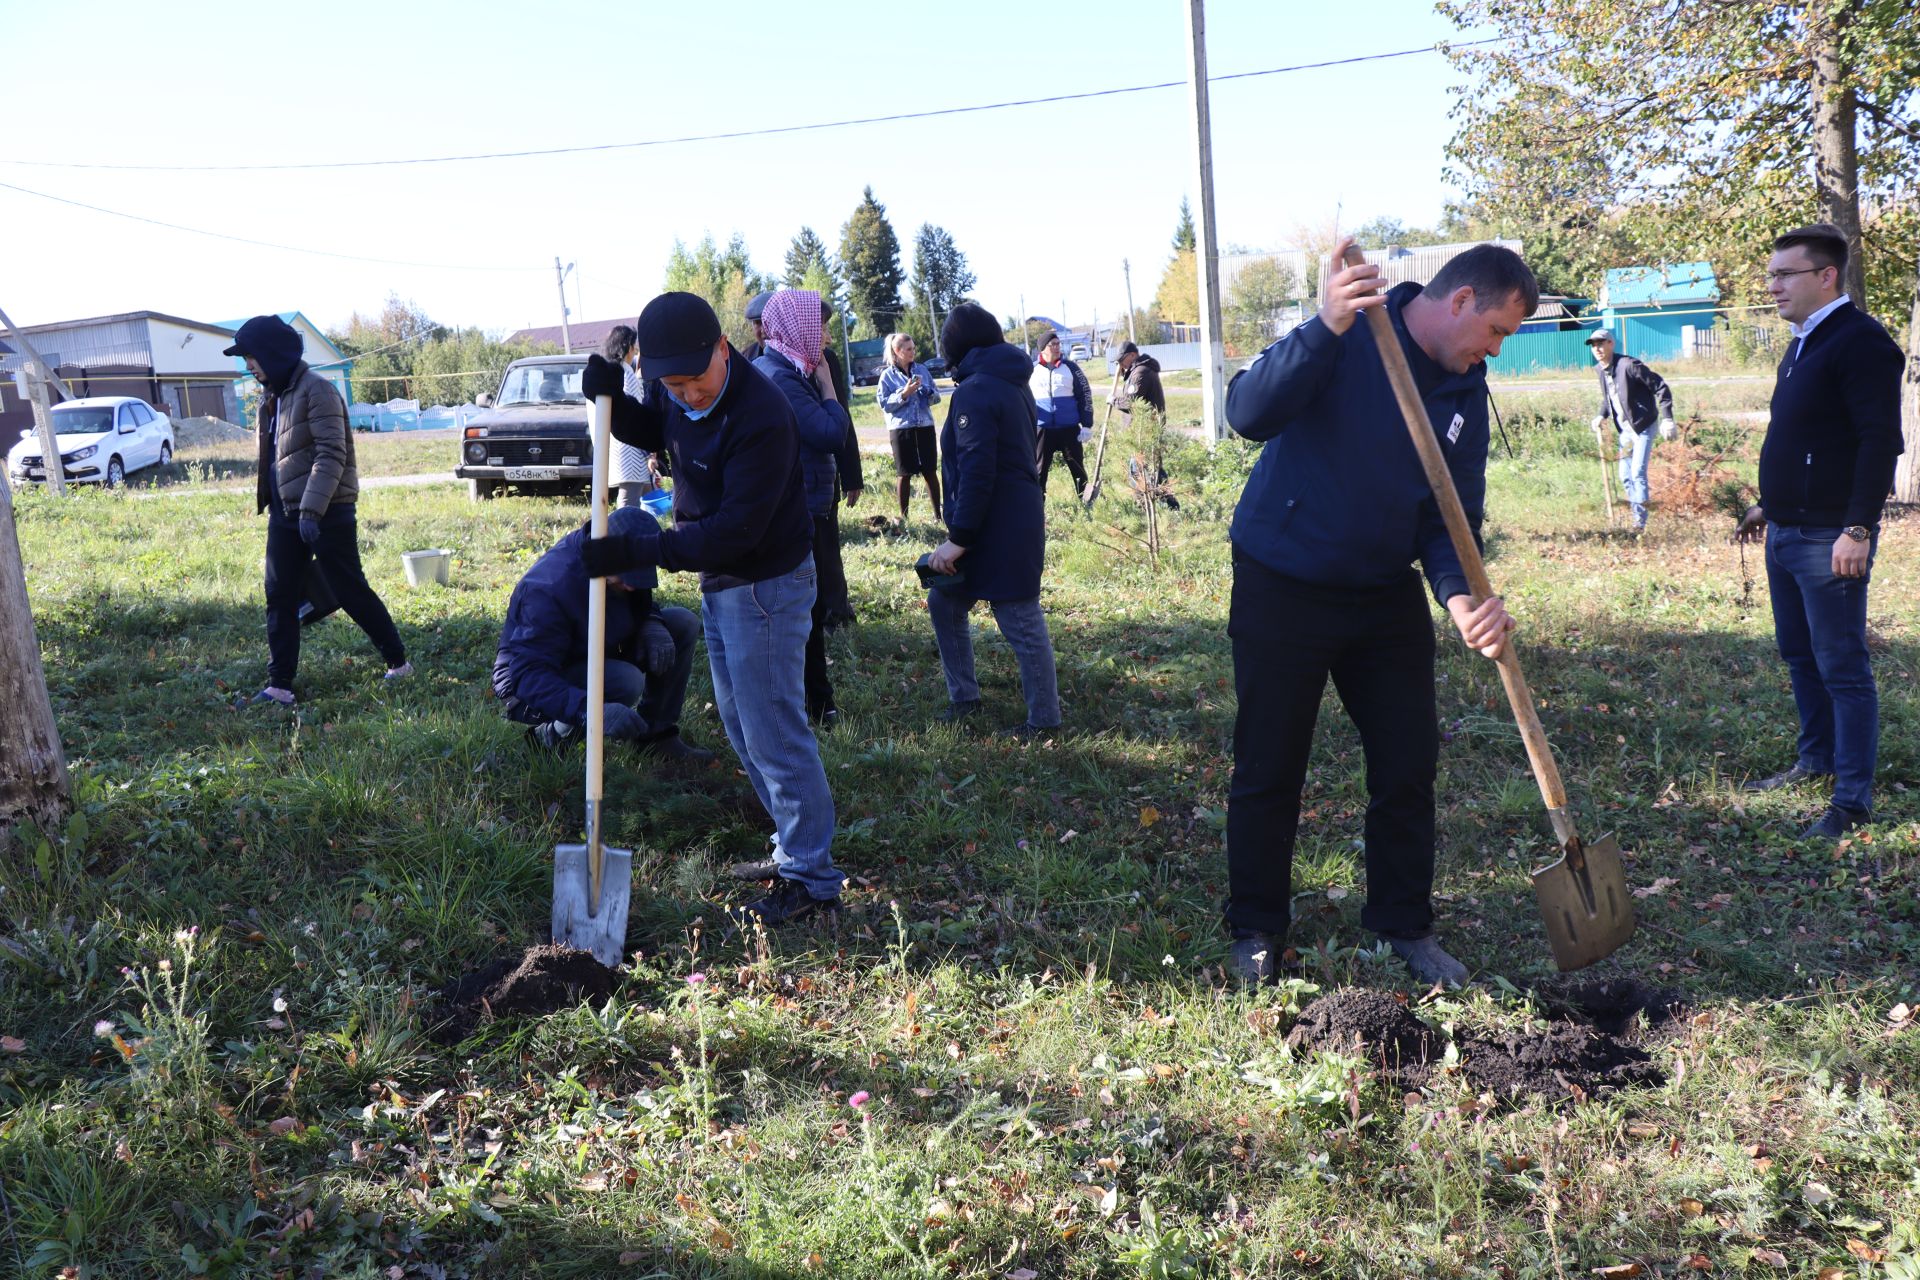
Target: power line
(261,244)
(741,133)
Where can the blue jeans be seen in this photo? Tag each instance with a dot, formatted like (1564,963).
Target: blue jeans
(1820,624)
(1025,629)
(756,646)
(1635,452)
(658,699)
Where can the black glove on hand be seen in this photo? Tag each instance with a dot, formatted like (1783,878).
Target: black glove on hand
(622,721)
(309,530)
(617,553)
(602,378)
(657,648)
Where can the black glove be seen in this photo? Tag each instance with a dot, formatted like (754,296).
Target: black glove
(309,529)
(657,648)
(602,378)
(622,721)
(617,553)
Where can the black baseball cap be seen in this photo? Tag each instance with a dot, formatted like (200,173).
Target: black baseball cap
(676,336)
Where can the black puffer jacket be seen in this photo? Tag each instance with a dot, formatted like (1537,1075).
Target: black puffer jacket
(304,447)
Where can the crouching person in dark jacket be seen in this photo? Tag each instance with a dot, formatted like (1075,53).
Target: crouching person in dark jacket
(996,529)
(540,672)
(1331,520)
(740,519)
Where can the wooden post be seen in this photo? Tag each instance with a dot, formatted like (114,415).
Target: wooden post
(34,785)
(1213,361)
(39,378)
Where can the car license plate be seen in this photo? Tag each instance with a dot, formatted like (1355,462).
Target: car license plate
(35,473)
(533,473)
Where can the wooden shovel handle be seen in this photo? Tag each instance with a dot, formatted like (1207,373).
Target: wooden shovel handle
(599,424)
(1539,753)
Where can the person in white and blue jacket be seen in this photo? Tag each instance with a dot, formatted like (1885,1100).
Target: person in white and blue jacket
(907,396)
(1064,400)
(1335,513)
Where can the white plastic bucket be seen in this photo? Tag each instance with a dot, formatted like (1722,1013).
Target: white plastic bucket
(423,567)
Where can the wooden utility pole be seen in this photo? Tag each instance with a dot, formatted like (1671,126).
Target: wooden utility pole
(1213,357)
(33,771)
(39,378)
(1126,269)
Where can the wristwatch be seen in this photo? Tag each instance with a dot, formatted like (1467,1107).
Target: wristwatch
(1858,532)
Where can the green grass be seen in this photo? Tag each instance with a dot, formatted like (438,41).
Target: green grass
(1027,981)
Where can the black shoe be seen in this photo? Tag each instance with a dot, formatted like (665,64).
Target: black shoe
(1784,778)
(672,746)
(788,901)
(1028,731)
(958,711)
(1836,822)
(1254,957)
(1429,961)
(825,719)
(758,869)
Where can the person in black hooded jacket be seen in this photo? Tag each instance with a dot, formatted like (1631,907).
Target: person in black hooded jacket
(996,526)
(307,484)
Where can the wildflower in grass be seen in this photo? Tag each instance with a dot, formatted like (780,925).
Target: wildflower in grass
(860,1100)
(695,979)
(102,1029)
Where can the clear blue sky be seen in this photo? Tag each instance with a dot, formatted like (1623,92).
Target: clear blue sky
(1045,201)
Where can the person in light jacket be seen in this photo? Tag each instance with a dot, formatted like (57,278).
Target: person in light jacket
(907,396)
(1064,401)
(629,469)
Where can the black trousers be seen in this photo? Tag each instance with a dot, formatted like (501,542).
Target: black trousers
(1378,646)
(338,555)
(826,542)
(1064,441)
(831,573)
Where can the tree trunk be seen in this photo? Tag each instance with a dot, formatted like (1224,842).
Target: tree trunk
(1906,478)
(33,772)
(1836,166)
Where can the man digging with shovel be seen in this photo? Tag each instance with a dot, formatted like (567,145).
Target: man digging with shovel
(1335,512)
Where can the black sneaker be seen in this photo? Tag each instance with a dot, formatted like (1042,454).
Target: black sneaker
(671,746)
(1836,822)
(1784,778)
(1254,957)
(958,711)
(788,901)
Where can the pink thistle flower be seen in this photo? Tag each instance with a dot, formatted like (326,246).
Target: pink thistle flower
(859,1100)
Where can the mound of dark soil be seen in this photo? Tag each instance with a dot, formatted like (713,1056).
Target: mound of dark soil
(539,980)
(1592,1042)
(1567,1061)
(1370,1025)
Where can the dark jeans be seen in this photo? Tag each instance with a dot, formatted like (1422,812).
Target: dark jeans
(1378,645)
(658,699)
(826,546)
(827,563)
(1820,624)
(338,554)
(1064,441)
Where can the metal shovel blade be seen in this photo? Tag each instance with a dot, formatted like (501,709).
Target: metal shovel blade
(1585,905)
(580,922)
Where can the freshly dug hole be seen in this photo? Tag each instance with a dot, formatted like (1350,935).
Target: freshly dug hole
(539,980)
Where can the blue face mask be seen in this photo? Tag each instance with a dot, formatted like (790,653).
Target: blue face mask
(696,414)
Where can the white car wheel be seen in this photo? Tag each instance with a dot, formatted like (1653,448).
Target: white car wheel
(116,472)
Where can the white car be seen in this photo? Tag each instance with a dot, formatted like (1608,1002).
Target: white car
(102,439)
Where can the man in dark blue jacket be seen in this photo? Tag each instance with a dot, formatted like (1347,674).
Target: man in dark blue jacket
(1833,438)
(540,672)
(740,519)
(1335,512)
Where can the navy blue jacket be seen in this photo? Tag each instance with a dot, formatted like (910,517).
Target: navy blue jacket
(739,512)
(993,502)
(822,423)
(1834,431)
(546,632)
(1338,497)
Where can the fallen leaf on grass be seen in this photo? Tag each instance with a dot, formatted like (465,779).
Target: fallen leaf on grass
(632,1258)
(1024,1273)
(284,1125)
(1623,1271)
(1816,1193)
(1336,893)
(1865,1252)
(1148,815)
(1660,885)
(13,1044)
(1772,1257)
(1692,1208)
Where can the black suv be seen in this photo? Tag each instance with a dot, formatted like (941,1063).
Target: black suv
(534,436)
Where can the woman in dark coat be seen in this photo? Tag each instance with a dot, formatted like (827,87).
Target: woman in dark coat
(996,528)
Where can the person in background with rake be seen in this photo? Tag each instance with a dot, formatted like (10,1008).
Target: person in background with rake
(1638,401)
